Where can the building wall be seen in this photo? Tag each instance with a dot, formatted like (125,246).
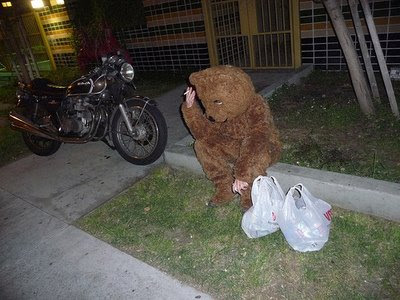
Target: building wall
(174,37)
(33,36)
(58,29)
(319,45)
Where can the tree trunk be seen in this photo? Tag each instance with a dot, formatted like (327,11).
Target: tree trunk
(381,59)
(356,73)
(364,49)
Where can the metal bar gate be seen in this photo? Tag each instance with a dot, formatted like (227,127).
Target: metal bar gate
(257,34)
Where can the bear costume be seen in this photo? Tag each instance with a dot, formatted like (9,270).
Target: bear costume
(235,136)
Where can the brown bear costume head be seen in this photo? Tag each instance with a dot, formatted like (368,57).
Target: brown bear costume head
(225,91)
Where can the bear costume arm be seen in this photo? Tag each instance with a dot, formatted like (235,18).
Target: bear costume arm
(260,147)
(195,120)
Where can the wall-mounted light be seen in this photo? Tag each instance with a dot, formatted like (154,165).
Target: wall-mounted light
(54,2)
(37,4)
(6,4)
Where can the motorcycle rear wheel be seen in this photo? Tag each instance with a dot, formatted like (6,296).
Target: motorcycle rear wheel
(152,139)
(40,146)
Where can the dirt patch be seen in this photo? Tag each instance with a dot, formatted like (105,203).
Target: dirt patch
(322,126)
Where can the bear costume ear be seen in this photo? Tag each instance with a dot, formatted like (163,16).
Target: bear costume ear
(198,80)
(201,80)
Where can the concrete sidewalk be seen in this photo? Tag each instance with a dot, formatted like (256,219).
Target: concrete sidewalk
(43,257)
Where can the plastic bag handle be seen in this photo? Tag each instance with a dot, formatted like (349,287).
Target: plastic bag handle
(257,180)
(299,186)
(304,190)
(304,194)
(255,186)
(299,191)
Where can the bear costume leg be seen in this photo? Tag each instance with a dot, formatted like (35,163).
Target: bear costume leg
(216,156)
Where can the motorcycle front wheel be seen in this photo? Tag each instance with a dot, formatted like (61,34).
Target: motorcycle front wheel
(40,146)
(150,138)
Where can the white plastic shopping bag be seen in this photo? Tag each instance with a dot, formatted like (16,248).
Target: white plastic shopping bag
(305,220)
(267,197)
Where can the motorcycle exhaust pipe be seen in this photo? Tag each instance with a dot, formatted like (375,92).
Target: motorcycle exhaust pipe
(19,122)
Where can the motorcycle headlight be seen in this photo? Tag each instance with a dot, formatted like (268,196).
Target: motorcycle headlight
(127,72)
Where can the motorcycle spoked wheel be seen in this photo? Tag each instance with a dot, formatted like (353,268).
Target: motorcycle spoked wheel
(152,134)
(39,145)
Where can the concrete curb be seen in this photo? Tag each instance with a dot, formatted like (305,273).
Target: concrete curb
(365,195)
(294,79)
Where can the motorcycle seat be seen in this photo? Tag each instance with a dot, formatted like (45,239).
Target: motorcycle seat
(44,87)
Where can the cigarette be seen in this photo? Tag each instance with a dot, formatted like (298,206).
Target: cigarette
(185,93)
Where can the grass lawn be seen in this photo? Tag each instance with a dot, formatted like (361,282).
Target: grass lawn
(164,221)
(12,146)
(321,126)
(7,99)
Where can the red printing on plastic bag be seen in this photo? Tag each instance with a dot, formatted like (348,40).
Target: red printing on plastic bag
(328,215)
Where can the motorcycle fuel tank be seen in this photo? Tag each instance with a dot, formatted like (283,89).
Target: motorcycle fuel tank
(85,86)
(82,86)
(100,85)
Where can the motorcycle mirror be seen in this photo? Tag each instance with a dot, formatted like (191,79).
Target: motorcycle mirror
(103,59)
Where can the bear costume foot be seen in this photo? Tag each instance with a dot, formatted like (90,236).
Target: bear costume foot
(222,196)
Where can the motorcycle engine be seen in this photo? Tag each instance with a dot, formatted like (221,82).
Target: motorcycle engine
(76,116)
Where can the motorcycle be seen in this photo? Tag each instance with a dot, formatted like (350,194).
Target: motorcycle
(98,106)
